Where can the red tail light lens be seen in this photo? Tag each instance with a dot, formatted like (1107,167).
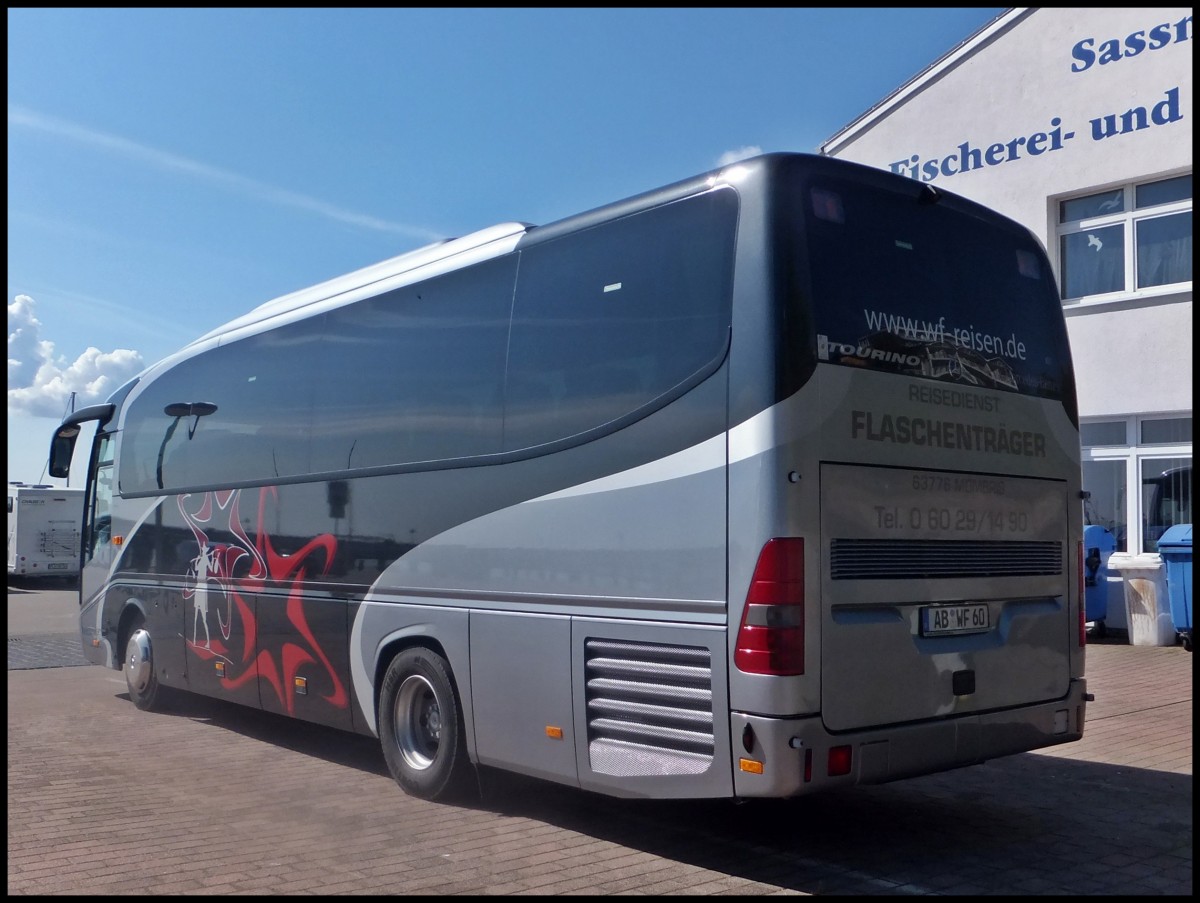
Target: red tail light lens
(770,639)
(839,760)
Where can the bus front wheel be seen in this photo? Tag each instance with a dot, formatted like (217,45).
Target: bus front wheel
(421,726)
(138,664)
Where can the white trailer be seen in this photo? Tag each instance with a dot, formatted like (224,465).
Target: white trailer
(44,525)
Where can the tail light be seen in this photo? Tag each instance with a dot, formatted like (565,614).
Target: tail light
(770,639)
(1081,600)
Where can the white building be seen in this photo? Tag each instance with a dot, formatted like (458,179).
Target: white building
(1078,123)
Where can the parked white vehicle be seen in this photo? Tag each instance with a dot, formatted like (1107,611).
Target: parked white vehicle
(43,530)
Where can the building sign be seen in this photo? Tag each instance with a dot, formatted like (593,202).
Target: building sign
(1089,54)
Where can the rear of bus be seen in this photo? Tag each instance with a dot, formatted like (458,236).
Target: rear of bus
(905,508)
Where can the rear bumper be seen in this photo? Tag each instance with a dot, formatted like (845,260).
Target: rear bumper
(794,754)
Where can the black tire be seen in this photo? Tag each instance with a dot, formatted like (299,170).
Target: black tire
(421,727)
(138,664)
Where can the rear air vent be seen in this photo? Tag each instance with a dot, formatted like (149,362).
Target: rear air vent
(649,708)
(908,559)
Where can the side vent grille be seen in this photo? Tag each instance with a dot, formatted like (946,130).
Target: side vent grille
(907,559)
(649,708)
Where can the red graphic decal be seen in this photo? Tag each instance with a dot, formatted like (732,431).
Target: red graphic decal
(222,572)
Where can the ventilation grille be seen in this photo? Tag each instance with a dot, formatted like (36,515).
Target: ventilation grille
(907,559)
(649,708)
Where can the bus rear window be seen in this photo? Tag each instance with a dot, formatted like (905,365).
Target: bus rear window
(934,288)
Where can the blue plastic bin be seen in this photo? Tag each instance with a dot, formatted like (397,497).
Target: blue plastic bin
(1098,545)
(1175,547)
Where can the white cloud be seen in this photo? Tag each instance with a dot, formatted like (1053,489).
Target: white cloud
(742,153)
(40,384)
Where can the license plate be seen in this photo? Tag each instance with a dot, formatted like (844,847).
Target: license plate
(942,620)
(56,566)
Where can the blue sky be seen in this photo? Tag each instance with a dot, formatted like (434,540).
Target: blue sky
(170,169)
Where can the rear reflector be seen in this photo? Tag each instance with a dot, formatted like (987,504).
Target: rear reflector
(839,760)
(770,639)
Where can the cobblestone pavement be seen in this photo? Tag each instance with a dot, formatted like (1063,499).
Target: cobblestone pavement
(212,798)
(44,651)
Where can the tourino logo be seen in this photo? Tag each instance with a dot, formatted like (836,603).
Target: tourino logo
(922,356)
(864,351)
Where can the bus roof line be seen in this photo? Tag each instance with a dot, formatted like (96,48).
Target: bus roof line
(376,272)
(523,235)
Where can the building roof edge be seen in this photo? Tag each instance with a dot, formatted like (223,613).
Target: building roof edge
(927,76)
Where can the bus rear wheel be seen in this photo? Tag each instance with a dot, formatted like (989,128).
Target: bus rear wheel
(138,665)
(421,726)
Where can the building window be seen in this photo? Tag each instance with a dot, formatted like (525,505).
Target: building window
(1126,239)
(1169,431)
(1103,432)
(1166,497)
(1104,480)
(1159,463)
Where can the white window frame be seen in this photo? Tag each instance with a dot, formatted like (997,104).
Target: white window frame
(1128,218)
(1133,455)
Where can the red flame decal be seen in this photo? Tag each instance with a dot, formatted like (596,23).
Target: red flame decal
(227,570)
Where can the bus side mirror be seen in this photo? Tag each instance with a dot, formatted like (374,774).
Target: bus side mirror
(62,448)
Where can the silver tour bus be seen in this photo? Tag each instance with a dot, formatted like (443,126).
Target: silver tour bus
(761,483)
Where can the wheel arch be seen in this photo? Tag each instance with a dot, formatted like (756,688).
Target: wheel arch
(132,610)
(379,639)
(393,647)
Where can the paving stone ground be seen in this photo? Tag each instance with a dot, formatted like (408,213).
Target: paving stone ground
(213,798)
